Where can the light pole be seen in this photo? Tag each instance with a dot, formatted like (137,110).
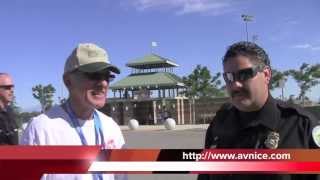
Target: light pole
(246,19)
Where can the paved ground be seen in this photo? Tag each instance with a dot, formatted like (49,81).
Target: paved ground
(184,137)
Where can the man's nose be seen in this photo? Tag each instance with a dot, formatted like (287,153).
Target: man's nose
(103,83)
(235,85)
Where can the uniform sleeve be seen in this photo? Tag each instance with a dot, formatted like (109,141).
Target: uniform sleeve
(208,143)
(313,134)
(311,129)
(209,139)
(14,128)
(311,139)
(203,177)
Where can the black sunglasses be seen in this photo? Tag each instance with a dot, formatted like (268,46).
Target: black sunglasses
(242,75)
(7,87)
(98,76)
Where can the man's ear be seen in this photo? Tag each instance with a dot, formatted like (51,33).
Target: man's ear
(67,80)
(268,74)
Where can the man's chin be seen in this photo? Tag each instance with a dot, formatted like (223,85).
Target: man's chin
(243,104)
(98,103)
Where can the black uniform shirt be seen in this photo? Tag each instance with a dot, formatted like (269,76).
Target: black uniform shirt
(234,129)
(8,127)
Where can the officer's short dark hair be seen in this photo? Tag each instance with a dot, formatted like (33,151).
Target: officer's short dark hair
(251,50)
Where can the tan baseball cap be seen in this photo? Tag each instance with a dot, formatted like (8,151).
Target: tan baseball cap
(88,57)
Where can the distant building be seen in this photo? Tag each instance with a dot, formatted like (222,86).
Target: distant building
(150,94)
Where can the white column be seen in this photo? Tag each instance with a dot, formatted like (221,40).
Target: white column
(190,112)
(178,110)
(154,104)
(194,110)
(182,111)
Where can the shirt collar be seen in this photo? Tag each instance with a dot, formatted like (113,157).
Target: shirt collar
(267,116)
(5,109)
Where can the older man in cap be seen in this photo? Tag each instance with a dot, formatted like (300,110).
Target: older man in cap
(87,74)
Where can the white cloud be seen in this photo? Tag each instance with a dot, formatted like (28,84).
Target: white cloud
(306,46)
(211,7)
(302,46)
(291,21)
(315,48)
(214,7)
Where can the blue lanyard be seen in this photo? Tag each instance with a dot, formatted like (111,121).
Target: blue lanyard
(97,131)
(97,126)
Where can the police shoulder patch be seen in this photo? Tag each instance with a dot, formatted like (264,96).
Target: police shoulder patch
(316,135)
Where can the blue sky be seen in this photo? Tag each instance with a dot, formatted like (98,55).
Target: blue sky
(37,36)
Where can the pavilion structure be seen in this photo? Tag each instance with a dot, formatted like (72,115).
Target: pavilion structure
(150,93)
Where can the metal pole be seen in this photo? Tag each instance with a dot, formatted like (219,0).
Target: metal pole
(246,19)
(247,30)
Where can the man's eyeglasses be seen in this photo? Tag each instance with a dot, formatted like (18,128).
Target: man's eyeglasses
(242,75)
(7,87)
(98,76)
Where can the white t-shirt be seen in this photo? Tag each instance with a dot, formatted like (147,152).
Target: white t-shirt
(54,128)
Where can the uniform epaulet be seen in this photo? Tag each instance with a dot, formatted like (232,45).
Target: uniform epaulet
(293,108)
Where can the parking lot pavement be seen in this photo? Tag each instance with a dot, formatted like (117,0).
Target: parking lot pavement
(164,139)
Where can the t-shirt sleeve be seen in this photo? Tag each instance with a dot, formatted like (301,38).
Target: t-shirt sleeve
(31,135)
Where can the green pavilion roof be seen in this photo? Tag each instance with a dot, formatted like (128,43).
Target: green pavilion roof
(151,61)
(154,80)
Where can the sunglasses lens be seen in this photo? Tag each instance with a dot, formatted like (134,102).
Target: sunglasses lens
(99,76)
(7,87)
(228,77)
(241,75)
(245,74)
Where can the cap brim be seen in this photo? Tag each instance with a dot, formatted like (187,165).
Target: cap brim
(99,66)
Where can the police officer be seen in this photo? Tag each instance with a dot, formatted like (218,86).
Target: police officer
(253,119)
(8,126)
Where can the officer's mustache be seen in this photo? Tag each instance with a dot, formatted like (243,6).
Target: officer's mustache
(242,92)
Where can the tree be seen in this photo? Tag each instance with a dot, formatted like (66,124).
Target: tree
(200,83)
(278,80)
(44,95)
(17,110)
(307,77)
(217,90)
(316,73)
(277,77)
(26,116)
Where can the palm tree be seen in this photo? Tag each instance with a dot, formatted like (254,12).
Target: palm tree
(44,95)
(307,77)
(278,80)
